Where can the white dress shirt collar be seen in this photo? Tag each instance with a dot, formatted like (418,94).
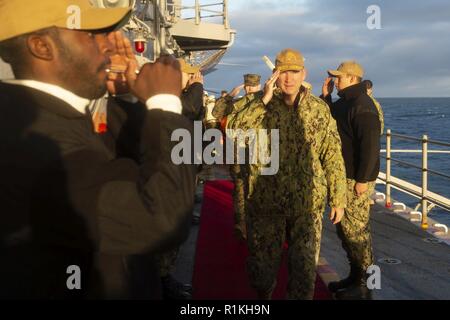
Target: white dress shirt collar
(165,102)
(70,98)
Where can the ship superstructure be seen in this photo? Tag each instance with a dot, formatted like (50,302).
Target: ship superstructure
(199,32)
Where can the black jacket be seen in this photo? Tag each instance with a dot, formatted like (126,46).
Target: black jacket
(359,128)
(192,101)
(65,199)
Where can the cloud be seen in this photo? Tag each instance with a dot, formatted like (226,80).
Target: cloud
(407,57)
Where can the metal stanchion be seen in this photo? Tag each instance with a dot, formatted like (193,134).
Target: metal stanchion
(197,12)
(424,182)
(388,169)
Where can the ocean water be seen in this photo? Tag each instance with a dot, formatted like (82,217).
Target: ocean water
(417,117)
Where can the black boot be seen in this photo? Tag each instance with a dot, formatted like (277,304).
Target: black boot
(342,284)
(335,286)
(266,294)
(358,290)
(174,290)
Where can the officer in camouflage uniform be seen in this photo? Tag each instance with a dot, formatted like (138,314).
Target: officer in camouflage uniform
(192,101)
(226,106)
(359,126)
(369,86)
(290,204)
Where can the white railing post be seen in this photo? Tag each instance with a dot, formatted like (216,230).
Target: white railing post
(197,12)
(424,182)
(388,169)
(226,22)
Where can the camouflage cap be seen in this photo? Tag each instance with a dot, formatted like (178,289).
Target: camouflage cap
(252,80)
(352,68)
(290,60)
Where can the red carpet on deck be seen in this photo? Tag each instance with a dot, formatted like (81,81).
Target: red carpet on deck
(219,271)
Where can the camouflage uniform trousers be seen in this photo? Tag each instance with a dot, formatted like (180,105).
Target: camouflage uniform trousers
(240,176)
(167,262)
(239,193)
(266,236)
(239,200)
(354,229)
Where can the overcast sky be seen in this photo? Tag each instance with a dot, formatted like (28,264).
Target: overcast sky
(408,57)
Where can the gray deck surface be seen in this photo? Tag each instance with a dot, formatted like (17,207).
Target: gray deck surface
(425,269)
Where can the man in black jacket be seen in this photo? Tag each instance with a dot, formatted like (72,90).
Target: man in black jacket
(192,102)
(359,129)
(124,121)
(74,216)
(192,96)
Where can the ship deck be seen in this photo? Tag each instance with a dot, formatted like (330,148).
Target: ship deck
(423,271)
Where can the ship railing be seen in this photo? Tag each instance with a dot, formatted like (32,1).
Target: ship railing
(200,11)
(428,199)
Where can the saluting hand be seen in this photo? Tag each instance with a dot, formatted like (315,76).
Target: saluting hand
(236,90)
(196,78)
(117,82)
(328,87)
(161,77)
(270,87)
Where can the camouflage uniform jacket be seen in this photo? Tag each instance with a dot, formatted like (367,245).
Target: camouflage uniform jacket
(380,112)
(227,105)
(236,108)
(310,157)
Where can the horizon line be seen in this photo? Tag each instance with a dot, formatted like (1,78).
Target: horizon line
(413,97)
